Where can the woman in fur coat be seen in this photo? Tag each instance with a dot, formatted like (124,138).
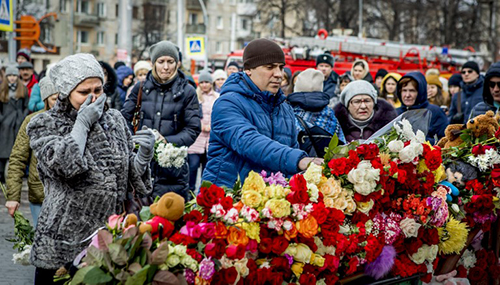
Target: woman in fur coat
(85,162)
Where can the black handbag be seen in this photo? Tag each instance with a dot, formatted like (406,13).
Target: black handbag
(134,203)
(313,140)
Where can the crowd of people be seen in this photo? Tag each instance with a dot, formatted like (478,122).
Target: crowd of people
(71,128)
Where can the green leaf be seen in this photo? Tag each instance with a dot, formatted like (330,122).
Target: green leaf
(145,213)
(164,277)
(160,254)
(134,268)
(123,275)
(96,276)
(131,232)
(133,249)
(80,275)
(118,254)
(104,238)
(206,184)
(144,257)
(94,256)
(334,142)
(147,241)
(139,278)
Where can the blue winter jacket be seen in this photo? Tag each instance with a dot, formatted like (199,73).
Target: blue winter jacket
(471,95)
(330,84)
(121,73)
(35,103)
(251,130)
(439,121)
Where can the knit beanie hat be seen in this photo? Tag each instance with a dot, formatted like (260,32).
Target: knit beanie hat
(309,80)
(205,77)
(219,73)
(381,72)
(357,87)
(25,65)
(233,63)
(24,52)
(47,88)
(261,52)
(434,80)
(472,65)
(72,70)
(11,70)
(142,64)
(325,58)
(164,48)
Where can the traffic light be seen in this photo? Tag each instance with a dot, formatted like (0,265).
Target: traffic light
(28,31)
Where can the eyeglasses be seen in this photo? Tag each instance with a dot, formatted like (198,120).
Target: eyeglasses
(467,71)
(358,102)
(493,84)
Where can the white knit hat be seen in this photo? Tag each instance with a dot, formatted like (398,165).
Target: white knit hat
(142,64)
(72,70)
(219,73)
(309,80)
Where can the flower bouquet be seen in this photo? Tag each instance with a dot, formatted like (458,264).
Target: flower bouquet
(167,154)
(24,235)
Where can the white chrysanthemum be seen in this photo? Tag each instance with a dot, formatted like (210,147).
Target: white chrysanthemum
(485,161)
(22,257)
(167,155)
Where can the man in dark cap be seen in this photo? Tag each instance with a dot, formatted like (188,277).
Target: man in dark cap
(325,63)
(470,96)
(232,67)
(491,92)
(27,75)
(253,128)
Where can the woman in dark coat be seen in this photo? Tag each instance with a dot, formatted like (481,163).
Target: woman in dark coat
(110,86)
(361,113)
(169,105)
(86,162)
(13,109)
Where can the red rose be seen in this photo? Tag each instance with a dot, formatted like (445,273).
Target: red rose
(279,245)
(194,254)
(298,197)
(477,274)
(373,248)
(481,263)
(229,275)
(275,278)
(307,279)
(320,212)
(252,266)
(265,245)
(461,271)
(352,161)
(478,150)
(353,266)
(412,245)
(332,262)
(280,263)
(226,202)
(494,271)
(338,166)
(298,182)
(231,251)
(252,278)
(428,236)
(331,279)
(193,216)
(210,249)
(178,238)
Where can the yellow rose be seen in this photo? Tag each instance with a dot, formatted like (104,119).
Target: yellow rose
(251,198)
(351,205)
(297,268)
(317,260)
(254,182)
(340,203)
(329,202)
(313,173)
(365,207)
(252,230)
(279,207)
(300,252)
(330,187)
(275,191)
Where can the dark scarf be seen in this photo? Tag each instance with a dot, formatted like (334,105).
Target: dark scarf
(13,86)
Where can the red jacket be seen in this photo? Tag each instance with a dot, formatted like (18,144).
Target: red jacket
(30,85)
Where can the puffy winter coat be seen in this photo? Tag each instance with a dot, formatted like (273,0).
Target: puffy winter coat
(439,122)
(81,191)
(384,113)
(251,130)
(22,156)
(35,103)
(121,73)
(488,102)
(330,84)
(172,109)
(472,94)
(12,114)
(313,108)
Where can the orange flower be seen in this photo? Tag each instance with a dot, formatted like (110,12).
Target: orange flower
(238,206)
(308,227)
(237,236)
(220,230)
(292,233)
(200,281)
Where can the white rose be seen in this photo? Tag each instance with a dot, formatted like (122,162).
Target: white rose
(241,267)
(419,256)
(420,137)
(365,207)
(313,192)
(418,148)
(188,261)
(180,250)
(372,175)
(432,252)
(364,188)
(469,261)
(356,176)
(173,260)
(455,208)
(313,173)
(396,146)
(409,227)
(407,154)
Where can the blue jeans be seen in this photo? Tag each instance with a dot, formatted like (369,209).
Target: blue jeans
(35,212)
(194,161)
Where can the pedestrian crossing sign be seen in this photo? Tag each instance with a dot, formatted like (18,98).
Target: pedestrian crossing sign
(196,46)
(6,19)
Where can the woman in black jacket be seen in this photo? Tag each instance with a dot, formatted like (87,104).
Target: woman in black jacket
(169,104)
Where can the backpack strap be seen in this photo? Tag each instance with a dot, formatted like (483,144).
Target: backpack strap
(308,131)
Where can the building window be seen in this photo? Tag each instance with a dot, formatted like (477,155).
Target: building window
(218,47)
(83,37)
(100,38)
(63,5)
(220,23)
(244,24)
(101,9)
(83,6)
(116,39)
(193,19)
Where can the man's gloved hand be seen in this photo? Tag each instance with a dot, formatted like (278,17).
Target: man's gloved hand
(146,140)
(88,114)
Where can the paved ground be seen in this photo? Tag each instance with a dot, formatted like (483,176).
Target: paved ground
(11,273)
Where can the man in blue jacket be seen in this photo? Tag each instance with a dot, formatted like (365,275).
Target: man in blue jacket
(471,94)
(491,92)
(412,92)
(252,127)
(325,63)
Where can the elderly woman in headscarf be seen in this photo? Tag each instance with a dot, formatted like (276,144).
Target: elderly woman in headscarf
(361,113)
(86,162)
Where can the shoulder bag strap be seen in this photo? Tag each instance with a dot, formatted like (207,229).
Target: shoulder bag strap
(308,131)
(137,111)
(459,102)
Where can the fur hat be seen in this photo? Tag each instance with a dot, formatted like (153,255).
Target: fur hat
(164,48)
(325,58)
(142,64)
(47,88)
(219,73)
(205,76)
(309,80)
(11,70)
(72,70)
(357,87)
(261,52)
